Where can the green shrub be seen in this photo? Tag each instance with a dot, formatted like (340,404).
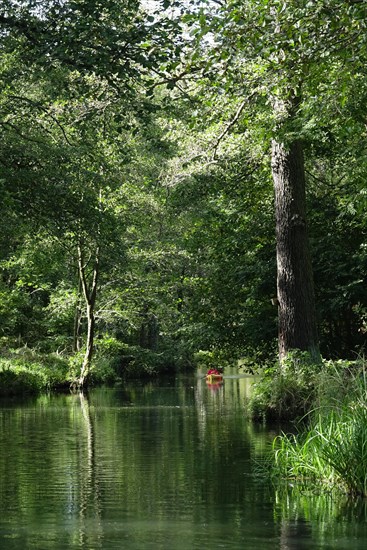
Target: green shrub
(103,372)
(108,346)
(286,391)
(143,363)
(115,360)
(17,379)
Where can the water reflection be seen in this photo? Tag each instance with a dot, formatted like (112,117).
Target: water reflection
(160,465)
(333,521)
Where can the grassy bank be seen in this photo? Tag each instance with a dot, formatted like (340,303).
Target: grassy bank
(290,391)
(329,449)
(24,371)
(331,452)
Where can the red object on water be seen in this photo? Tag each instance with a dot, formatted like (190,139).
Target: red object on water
(214,378)
(213,371)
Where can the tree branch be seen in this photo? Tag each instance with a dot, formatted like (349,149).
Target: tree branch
(44,110)
(82,276)
(232,123)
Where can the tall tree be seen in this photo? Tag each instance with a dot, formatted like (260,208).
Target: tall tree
(274,56)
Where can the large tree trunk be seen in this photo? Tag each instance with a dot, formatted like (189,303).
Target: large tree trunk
(296,301)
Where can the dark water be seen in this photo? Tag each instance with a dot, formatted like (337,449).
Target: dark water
(167,465)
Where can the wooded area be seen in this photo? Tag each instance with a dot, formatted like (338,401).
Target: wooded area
(183,177)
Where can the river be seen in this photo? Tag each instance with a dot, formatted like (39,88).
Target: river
(169,464)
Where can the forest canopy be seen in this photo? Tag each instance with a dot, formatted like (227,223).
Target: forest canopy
(182,178)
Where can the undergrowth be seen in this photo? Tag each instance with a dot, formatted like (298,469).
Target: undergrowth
(286,391)
(25,371)
(330,448)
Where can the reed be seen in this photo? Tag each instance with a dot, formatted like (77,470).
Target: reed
(332,450)
(345,447)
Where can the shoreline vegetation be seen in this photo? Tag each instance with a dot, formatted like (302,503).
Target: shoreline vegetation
(26,371)
(327,405)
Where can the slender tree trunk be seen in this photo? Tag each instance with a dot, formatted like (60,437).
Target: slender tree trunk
(296,301)
(77,321)
(87,360)
(90,295)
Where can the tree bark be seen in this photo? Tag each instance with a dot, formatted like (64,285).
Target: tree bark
(296,302)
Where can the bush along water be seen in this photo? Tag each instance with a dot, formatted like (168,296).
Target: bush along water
(286,391)
(331,448)
(24,371)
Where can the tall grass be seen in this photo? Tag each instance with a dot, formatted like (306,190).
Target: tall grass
(332,448)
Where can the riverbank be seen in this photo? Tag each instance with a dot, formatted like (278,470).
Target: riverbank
(327,404)
(288,392)
(26,371)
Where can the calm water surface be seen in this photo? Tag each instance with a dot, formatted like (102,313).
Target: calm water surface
(165,465)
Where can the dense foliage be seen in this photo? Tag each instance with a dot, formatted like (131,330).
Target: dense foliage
(137,199)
